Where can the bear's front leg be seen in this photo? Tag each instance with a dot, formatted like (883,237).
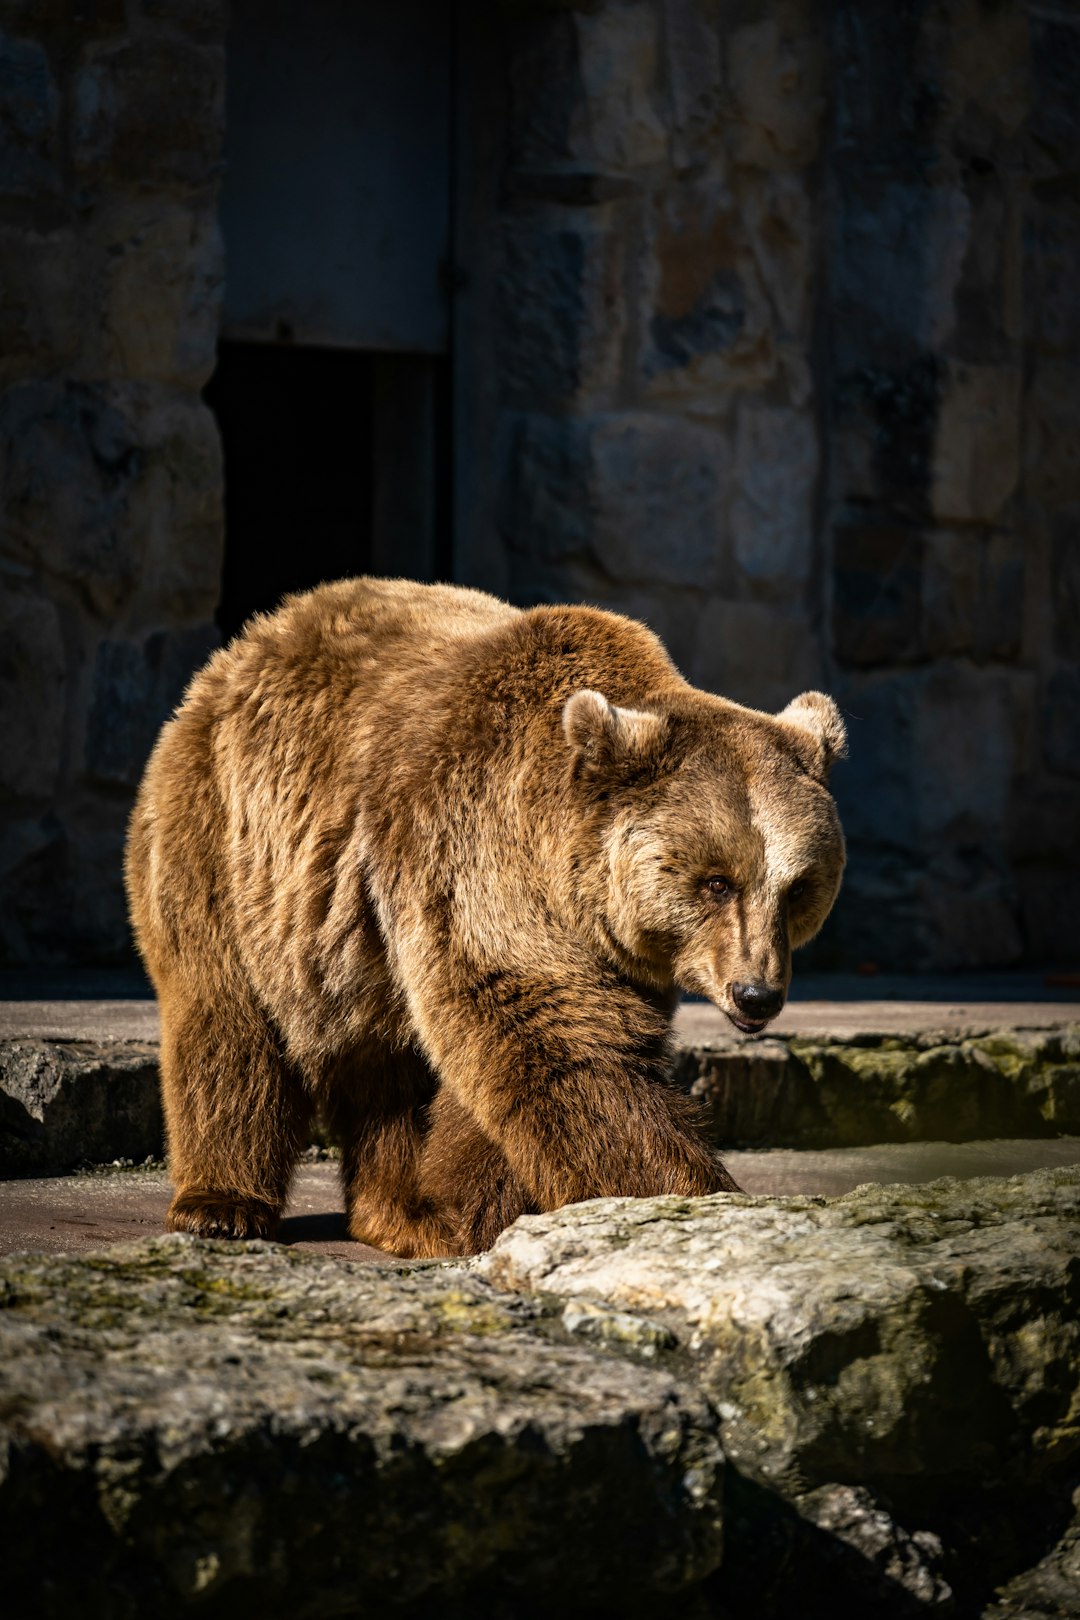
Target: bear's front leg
(570,1081)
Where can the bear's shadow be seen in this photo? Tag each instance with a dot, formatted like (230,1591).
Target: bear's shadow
(328,1228)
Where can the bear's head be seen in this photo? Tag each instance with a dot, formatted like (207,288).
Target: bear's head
(722,848)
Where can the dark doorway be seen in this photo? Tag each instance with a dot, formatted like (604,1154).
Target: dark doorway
(297,437)
(336,463)
(332,389)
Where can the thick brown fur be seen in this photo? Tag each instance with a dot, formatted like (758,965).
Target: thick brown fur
(439,867)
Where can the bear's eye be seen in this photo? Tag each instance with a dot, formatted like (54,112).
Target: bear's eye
(721,888)
(799,891)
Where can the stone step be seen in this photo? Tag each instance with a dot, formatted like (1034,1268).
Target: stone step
(75,1214)
(78,1077)
(646,1408)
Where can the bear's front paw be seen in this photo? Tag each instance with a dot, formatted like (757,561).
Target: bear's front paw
(221,1215)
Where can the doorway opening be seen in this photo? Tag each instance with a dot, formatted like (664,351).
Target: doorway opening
(336,463)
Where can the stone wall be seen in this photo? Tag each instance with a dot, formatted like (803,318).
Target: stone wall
(768,334)
(111,123)
(785,361)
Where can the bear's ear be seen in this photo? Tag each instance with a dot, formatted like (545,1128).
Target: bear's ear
(609,739)
(817,716)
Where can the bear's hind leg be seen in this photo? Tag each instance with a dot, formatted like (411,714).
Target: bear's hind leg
(465,1171)
(236,1115)
(377,1108)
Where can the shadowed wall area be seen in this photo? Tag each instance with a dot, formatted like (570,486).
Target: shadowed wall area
(762,326)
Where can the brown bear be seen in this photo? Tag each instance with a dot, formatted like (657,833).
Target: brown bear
(439,866)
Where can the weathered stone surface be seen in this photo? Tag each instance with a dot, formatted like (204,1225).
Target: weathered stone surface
(759,653)
(1051,272)
(75,1100)
(919,1345)
(976,461)
(33,688)
(29,121)
(151,110)
(41,301)
(658,491)
(1052,437)
(618,58)
(877,593)
(162,273)
(562,310)
(692,55)
(709,328)
(789,1091)
(1051,1589)
(643,495)
(776,467)
(1052,143)
(117,488)
(63,1103)
(973,594)
(776,70)
(224,1427)
(136,687)
(1061,722)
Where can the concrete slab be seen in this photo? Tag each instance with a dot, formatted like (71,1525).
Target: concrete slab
(76,1214)
(132,1018)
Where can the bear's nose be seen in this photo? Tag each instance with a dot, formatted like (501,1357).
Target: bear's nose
(757,1000)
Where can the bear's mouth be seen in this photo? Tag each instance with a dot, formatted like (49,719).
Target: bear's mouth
(748,1026)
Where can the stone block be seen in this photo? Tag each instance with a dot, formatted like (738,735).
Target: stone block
(65,1103)
(546,114)
(1052,273)
(162,275)
(33,688)
(883,436)
(776,72)
(886,95)
(693,59)
(561,309)
(876,789)
(434,1446)
(118,489)
(643,497)
(1065,590)
(774,474)
(176,511)
(202,19)
(657,501)
(1052,144)
(962,754)
(972,595)
(976,455)
(982,62)
(781,227)
(29,121)
(1052,434)
(150,111)
(708,328)
(136,687)
(896,1341)
(43,288)
(877,594)
(755,652)
(896,261)
(985,320)
(1061,722)
(618,59)
(543,511)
